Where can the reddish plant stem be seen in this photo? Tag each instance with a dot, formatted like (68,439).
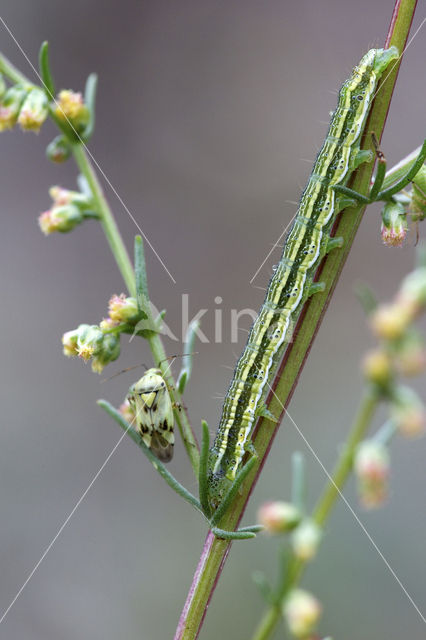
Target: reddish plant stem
(215,551)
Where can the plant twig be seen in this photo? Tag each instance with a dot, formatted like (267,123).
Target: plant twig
(215,551)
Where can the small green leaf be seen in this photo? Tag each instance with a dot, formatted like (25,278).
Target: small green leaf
(90,101)
(46,75)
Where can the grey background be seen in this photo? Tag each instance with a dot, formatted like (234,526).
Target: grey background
(206,114)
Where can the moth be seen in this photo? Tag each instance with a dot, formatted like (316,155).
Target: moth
(307,242)
(150,400)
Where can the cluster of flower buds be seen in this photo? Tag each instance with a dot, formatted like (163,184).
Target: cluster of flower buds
(394,224)
(395,213)
(101,344)
(302,612)
(71,109)
(401,352)
(69,209)
(121,310)
(28,106)
(89,342)
(25,105)
(278,517)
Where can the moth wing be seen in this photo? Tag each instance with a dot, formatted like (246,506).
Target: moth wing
(161,448)
(143,421)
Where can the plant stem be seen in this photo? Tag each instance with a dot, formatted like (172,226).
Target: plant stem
(106,217)
(121,256)
(11,72)
(322,510)
(215,552)
(125,266)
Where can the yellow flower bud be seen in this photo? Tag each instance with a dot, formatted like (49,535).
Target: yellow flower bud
(377,367)
(390,321)
(70,107)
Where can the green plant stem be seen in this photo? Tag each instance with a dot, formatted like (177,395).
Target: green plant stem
(11,72)
(125,266)
(215,551)
(106,217)
(124,263)
(322,510)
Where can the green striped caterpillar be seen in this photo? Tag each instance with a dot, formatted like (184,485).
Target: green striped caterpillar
(306,244)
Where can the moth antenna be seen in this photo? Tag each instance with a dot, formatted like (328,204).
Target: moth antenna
(136,366)
(292,202)
(180,355)
(256,286)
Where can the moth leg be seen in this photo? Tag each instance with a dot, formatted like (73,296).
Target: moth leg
(335,242)
(263,412)
(177,406)
(381,170)
(315,287)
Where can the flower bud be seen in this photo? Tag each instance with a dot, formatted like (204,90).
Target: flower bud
(69,340)
(305,540)
(58,150)
(394,224)
(106,324)
(390,321)
(89,341)
(61,196)
(122,309)
(408,412)
(377,367)
(127,411)
(70,108)
(10,106)
(109,351)
(278,517)
(62,218)
(371,466)
(302,612)
(34,110)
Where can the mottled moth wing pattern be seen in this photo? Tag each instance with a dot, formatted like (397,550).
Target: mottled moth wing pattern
(150,399)
(307,242)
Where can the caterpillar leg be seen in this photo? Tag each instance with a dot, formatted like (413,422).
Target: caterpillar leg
(351,194)
(316,287)
(361,156)
(263,412)
(335,242)
(249,447)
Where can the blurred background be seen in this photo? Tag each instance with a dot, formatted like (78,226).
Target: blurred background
(209,116)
